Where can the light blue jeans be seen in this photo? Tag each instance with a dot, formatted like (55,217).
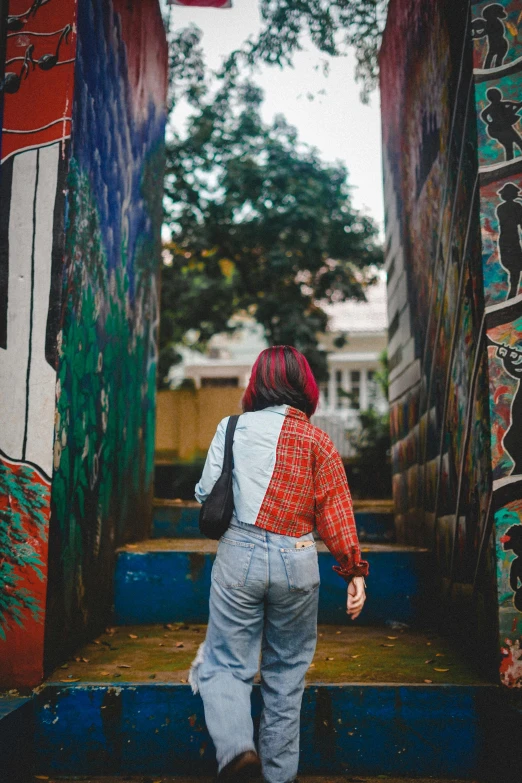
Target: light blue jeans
(263,601)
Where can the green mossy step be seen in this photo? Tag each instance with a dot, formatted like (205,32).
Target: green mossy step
(344,654)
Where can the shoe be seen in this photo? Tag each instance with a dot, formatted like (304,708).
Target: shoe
(246,766)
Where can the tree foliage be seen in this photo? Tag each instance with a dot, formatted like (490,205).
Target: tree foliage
(260,225)
(333,26)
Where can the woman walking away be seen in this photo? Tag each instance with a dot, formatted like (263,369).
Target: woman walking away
(287,479)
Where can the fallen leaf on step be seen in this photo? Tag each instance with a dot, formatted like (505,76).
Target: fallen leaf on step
(428,681)
(133,636)
(312,666)
(97,641)
(110,631)
(65,666)
(430,660)
(439,655)
(77,659)
(124,666)
(132,546)
(355,656)
(105,674)
(169,626)
(392,637)
(428,644)
(184,681)
(179,644)
(440,670)
(338,632)
(387,645)
(161,644)
(329,659)
(85,660)
(72,679)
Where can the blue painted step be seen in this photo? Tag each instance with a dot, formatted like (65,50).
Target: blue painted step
(16,739)
(403,730)
(173,519)
(169,581)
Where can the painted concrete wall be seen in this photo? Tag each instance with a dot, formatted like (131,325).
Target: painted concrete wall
(82,158)
(453,259)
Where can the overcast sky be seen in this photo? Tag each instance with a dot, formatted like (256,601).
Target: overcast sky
(336,123)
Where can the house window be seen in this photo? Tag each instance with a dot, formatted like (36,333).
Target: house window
(355,388)
(372,389)
(340,400)
(325,390)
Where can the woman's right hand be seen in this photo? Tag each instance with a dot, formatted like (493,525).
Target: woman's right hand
(356,597)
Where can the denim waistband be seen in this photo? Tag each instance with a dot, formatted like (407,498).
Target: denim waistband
(257,532)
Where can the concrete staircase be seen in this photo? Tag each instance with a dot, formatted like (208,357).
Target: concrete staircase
(384,696)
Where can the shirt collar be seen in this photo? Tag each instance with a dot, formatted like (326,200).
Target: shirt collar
(295,413)
(287,410)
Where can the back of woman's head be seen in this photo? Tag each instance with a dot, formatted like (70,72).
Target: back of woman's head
(281,376)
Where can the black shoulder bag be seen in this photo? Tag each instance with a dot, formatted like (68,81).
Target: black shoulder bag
(217,509)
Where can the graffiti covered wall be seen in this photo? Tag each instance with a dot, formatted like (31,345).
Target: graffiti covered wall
(37,97)
(81,183)
(104,441)
(449,76)
(497,34)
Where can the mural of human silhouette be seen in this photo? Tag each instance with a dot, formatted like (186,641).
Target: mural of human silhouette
(490,25)
(512,539)
(500,118)
(509,215)
(512,441)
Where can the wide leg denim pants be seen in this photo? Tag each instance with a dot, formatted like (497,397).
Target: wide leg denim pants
(263,602)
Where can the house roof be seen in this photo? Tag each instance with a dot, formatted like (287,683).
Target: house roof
(369,316)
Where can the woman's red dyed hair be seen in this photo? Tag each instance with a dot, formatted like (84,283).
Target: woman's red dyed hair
(281,376)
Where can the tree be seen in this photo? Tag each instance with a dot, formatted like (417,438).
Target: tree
(334,26)
(260,225)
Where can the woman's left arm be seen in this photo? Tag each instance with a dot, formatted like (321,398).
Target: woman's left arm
(213,464)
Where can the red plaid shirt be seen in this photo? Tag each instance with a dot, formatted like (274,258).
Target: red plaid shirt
(309,489)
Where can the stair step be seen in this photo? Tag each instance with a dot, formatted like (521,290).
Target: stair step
(368,711)
(362,729)
(179,519)
(16,726)
(345,653)
(302,779)
(168,580)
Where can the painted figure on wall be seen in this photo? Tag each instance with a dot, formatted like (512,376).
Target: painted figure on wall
(501,117)
(509,215)
(491,26)
(512,540)
(512,442)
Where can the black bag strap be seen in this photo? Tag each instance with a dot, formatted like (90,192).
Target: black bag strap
(228,459)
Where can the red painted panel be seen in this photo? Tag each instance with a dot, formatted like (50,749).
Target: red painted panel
(24,513)
(39,74)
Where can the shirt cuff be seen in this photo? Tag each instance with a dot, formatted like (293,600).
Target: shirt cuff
(358,569)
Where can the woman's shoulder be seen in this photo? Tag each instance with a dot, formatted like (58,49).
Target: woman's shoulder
(323,445)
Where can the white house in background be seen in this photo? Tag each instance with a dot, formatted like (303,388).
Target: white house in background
(351,384)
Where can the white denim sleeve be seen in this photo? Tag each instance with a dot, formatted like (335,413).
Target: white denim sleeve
(213,464)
